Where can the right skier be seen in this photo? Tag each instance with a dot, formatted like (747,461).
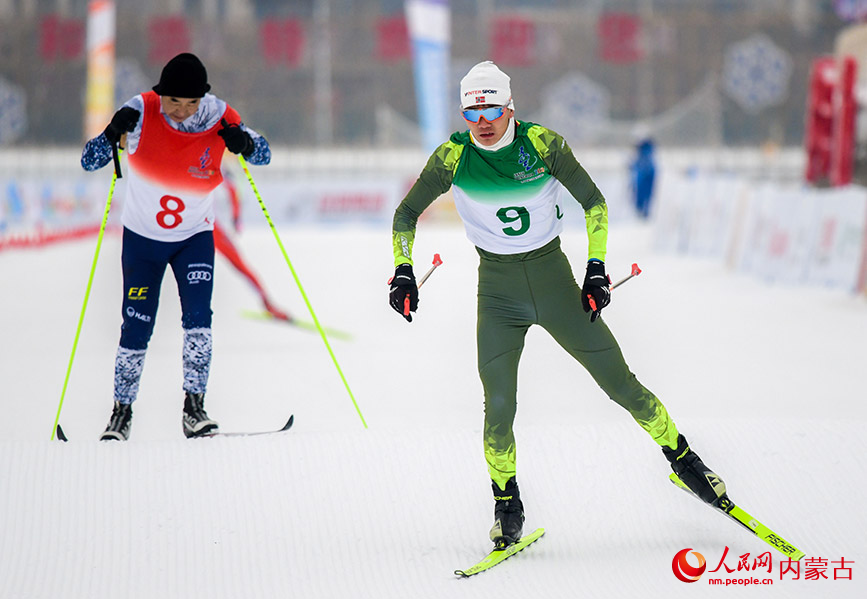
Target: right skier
(504,175)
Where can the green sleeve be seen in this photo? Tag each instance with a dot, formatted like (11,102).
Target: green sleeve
(565,168)
(435,179)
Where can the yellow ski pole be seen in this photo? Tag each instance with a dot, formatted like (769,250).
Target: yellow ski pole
(114,177)
(298,282)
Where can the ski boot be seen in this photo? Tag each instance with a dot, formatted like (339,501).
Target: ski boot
(119,423)
(508,514)
(692,472)
(196,422)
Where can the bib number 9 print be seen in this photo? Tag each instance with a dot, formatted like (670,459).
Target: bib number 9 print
(518,215)
(170,215)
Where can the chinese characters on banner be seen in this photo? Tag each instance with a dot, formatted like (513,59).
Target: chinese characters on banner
(60,38)
(619,36)
(167,37)
(283,41)
(810,568)
(513,41)
(392,39)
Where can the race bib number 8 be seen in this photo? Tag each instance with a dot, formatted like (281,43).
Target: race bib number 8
(514,214)
(170,215)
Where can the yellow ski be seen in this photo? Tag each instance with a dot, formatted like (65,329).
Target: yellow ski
(728,508)
(498,555)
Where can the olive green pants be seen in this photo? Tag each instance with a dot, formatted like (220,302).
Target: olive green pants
(538,287)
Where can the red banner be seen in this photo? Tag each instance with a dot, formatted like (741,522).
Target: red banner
(820,119)
(392,39)
(283,41)
(843,153)
(60,38)
(513,41)
(619,38)
(167,37)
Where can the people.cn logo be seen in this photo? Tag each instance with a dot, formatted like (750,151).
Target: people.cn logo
(683,570)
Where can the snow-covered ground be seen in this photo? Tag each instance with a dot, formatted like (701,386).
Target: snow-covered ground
(767,383)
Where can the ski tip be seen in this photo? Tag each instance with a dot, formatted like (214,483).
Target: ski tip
(289,423)
(266,315)
(60,435)
(300,324)
(675,479)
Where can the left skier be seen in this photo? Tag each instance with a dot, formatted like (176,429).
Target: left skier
(174,138)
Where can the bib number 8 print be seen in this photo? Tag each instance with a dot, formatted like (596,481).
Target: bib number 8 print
(514,214)
(170,215)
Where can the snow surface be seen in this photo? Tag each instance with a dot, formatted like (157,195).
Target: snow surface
(766,381)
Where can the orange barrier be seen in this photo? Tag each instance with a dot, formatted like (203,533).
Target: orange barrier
(41,238)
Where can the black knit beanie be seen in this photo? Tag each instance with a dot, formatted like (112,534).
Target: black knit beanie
(184,76)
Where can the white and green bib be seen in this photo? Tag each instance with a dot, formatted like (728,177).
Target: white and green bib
(510,199)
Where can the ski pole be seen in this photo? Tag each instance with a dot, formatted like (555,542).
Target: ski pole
(635,272)
(298,282)
(115,156)
(87,290)
(437,261)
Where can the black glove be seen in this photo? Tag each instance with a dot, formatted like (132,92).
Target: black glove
(403,290)
(237,140)
(595,293)
(123,121)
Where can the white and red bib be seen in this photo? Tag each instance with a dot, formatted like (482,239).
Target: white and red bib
(171,177)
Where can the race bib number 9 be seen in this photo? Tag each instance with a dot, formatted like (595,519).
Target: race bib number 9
(518,215)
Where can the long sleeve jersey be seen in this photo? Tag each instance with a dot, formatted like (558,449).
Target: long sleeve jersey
(97,151)
(508,199)
(173,167)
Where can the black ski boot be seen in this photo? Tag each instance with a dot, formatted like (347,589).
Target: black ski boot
(508,514)
(196,421)
(692,472)
(119,423)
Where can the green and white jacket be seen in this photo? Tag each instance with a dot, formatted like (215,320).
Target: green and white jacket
(509,199)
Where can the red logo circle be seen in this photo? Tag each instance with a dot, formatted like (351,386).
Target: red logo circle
(683,570)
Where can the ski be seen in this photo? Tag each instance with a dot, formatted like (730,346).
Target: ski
(301,324)
(61,436)
(728,508)
(218,433)
(498,555)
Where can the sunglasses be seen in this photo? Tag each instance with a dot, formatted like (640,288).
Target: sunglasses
(491,114)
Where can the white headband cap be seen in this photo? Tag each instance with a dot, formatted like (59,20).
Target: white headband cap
(485,83)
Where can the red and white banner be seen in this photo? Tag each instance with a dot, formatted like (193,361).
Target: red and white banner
(778,232)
